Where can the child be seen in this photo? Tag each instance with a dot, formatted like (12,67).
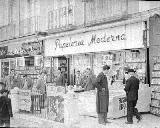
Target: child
(5,108)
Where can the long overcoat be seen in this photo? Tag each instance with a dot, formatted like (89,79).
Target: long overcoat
(5,108)
(131,88)
(102,98)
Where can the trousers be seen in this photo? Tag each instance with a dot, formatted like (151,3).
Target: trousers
(5,122)
(102,117)
(131,111)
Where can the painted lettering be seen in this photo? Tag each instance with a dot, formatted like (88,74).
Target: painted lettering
(123,37)
(108,39)
(98,40)
(68,44)
(93,40)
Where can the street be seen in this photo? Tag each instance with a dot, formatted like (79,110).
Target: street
(24,120)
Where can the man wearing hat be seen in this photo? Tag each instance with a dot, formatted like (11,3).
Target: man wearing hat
(131,88)
(102,98)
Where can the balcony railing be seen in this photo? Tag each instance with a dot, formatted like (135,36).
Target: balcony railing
(63,17)
(108,10)
(29,26)
(25,27)
(85,14)
(89,13)
(7,32)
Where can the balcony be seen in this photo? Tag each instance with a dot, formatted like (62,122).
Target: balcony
(25,27)
(62,18)
(104,11)
(29,26)
(88,13)
(7,32)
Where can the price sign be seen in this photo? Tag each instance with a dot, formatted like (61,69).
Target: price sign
(25,100)
(107,59)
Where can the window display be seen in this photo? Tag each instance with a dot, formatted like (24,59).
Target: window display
(117,60)
(5,69)
(155,82)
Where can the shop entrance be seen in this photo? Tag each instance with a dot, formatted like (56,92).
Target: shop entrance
(63,66)
(6,66)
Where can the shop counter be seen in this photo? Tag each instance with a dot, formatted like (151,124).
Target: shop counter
(85,102)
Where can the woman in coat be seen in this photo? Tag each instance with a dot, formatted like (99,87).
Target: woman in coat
(102,98)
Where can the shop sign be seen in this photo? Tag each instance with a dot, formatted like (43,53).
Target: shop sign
(32,48)
(3,52)
(16,52)
(25,100)
(122,37)
(25,49)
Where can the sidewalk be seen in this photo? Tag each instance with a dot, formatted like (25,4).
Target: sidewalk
(25,120)
(148,121)
(30,121)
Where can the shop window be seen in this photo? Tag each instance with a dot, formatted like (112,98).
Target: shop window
(5,69)
(29,61)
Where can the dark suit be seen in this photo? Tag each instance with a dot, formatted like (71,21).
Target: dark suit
(102,99)
(6,112)
(131,88)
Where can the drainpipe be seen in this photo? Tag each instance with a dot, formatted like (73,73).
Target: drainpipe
(19,17)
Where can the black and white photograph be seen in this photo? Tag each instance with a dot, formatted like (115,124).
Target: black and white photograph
(80,63)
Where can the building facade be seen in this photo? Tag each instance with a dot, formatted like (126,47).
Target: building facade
(72,35)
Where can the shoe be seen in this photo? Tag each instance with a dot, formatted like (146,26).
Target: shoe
(129,122)
(140,118)
(103,123)
(107,121)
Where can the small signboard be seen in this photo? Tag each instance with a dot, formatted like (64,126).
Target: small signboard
(25,100)
(107,59)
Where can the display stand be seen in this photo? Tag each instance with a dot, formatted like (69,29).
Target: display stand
(55,108)
(71,110)
(155,84)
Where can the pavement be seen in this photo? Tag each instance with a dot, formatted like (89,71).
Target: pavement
(31,121)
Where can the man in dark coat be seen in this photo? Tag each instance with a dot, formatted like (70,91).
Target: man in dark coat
(5,108)
(102,99)
(131,88)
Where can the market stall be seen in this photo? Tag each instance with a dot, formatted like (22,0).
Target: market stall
(35,102)
(120,47)
(86,102)
(55,95)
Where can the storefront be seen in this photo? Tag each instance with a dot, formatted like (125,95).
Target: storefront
(119,47)
(25,58)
